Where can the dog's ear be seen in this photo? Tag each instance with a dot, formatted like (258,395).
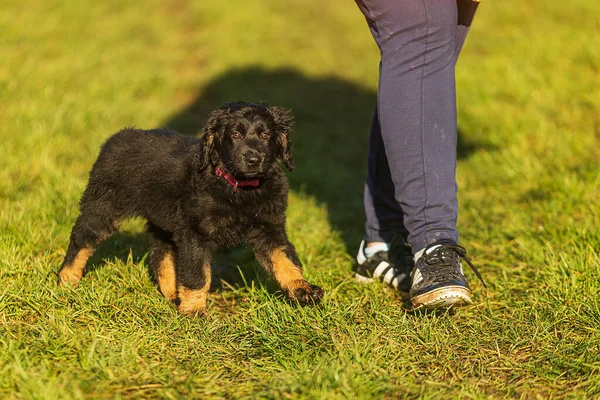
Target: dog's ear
(283,121)
(212,134)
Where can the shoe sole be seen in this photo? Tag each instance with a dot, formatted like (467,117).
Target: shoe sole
(363,279)
(446,297)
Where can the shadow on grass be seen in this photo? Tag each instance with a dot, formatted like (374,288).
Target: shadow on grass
(123,246)
(332,120)
(127,247)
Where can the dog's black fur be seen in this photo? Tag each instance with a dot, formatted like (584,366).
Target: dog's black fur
(170,180)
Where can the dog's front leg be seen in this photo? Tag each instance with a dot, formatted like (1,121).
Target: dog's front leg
(193,275)
(278,256)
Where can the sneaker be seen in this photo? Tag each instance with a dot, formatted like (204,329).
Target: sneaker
(392,267)
(438,281)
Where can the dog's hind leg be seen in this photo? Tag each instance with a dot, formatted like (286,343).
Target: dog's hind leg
(193,274)
(91,228)
(162,262)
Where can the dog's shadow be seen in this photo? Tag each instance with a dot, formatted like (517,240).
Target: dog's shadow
(332,121)
(234,269)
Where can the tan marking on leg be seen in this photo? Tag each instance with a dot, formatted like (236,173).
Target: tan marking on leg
(193,301)
(72,273)
(290,279)
(166,277)
(287,274)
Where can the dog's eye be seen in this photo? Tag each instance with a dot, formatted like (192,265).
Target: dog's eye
(236,135)
(265,135)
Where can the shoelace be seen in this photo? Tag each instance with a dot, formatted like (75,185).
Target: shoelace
(443,258)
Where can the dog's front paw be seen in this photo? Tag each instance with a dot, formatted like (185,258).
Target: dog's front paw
(66,276)
(193,312)
(306,294)
(192,302)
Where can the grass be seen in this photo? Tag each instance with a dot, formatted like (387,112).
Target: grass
(73,72)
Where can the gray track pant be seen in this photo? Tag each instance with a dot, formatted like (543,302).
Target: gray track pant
(411,185)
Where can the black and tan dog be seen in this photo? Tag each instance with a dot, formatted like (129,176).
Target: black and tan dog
(198,195)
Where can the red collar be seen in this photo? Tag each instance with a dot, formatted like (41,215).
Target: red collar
(234,182)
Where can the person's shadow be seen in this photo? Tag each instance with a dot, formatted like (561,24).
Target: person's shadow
(331,125)
(330,136)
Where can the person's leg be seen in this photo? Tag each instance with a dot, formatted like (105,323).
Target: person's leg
(395,196)
(417,111)
(384,254)
(384,216)
(419,42)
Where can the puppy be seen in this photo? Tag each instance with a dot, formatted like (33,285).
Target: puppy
(198,195)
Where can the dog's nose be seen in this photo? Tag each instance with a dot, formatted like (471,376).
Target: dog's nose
(252,159)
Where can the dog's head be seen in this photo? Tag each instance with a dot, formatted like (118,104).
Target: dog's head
(247,139)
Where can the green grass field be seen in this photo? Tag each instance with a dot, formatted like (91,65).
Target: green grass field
(74,72)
